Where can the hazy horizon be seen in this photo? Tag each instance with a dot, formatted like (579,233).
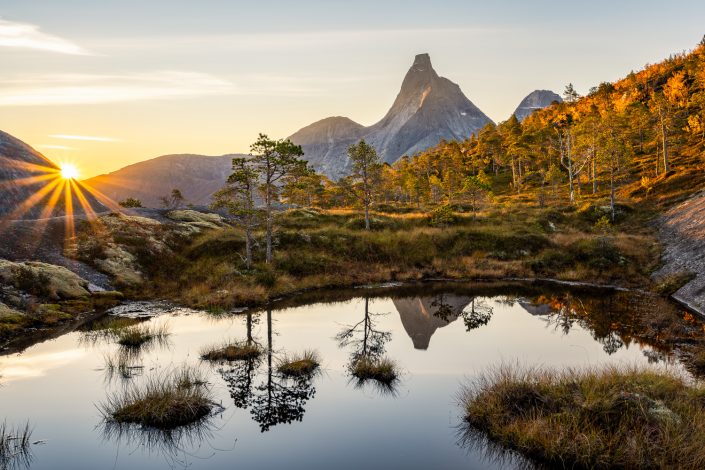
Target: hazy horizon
(104,86)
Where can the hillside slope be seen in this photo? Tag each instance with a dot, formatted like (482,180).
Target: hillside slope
(196,176)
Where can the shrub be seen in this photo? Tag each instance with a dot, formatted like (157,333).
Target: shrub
(442,216)
(131,202)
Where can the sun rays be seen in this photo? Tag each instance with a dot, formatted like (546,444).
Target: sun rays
(54,191)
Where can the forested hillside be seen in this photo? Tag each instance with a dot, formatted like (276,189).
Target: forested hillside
(641,137)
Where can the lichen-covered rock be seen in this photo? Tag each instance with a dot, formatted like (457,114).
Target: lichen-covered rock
(43,280)
(195,217)
(6,311)
(127,246)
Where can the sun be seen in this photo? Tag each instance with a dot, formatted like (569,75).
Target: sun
(69,171)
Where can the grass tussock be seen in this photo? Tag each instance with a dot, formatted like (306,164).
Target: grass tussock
(383,371)
(177,398)
(15,445)
(300,365)
(236,351)
(140,335)
(607,418)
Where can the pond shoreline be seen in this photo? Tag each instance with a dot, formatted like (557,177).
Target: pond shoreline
(27,338)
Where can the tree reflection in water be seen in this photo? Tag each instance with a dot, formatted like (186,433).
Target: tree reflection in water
(476,314)
(616,320)
(368,343)
(277,399)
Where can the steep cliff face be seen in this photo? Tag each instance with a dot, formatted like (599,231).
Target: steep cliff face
(31,185)
(196,176)
(427,110)
(537,99)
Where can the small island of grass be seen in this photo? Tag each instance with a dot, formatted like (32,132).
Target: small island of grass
(232,352)
(300,365)
(608,418)
(178,398)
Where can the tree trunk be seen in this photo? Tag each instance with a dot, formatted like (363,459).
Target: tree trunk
(248,245)
(666,167)
(594,173)
(612,195)
(269,225)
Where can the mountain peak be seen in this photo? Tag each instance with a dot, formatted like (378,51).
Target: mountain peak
(428,109)
(422,63)
(537,99)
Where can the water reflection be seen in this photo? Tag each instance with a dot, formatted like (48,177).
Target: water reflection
(438,335)
(277,399)
(368,363)
(176,446)
(615,321)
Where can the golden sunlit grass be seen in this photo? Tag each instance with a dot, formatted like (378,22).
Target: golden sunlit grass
(596,418)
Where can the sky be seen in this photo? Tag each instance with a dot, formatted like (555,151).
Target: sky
(102,84)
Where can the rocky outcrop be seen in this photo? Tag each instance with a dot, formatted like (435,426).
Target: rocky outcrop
(118,244)
(196,176)
(682,233)
(537,99)
(427,109)
(43,280)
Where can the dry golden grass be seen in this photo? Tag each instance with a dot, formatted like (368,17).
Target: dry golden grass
(607,418)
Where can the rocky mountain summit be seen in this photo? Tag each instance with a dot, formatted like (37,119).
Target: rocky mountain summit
(537,99)
(428,109)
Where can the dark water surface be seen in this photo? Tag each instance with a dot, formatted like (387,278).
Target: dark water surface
(440,336)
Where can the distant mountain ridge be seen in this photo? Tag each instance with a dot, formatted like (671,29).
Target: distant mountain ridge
(428,109)
(196,176)
(537,99)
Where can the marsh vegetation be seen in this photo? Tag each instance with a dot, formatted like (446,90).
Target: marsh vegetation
(611,417)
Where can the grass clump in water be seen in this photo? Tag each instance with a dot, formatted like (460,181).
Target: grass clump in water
(384,370)
(236,351)
(140,335)
(15,446)
(608,418)
(175,399)
(300,365)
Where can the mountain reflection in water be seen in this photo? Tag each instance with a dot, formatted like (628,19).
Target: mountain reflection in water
(438,336)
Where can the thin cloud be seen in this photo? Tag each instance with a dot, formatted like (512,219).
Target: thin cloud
(28,36)
(55,147)
(90,138)
(290,40)
(97,89)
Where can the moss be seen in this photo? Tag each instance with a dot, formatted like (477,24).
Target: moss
(670,284)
